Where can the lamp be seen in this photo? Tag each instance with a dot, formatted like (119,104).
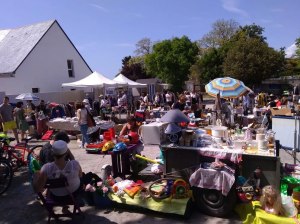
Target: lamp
(174,116)
(173,130)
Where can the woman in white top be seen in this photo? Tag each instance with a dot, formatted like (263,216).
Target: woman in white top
(188,97)
(82,122)
(157,100)
(169,98)
(103,102)
(58,169)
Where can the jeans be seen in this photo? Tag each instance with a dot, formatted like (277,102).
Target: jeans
(83,129)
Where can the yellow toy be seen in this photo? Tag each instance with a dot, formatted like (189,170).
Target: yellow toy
(108,146)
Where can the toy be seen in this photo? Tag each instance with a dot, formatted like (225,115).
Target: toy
(120,147)
(144,158)
(180,189)
(250,190)
(5,137)
(270,201)
(108,146)
(134,137)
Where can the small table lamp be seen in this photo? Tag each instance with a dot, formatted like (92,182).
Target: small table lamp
(172,130)
(174,116)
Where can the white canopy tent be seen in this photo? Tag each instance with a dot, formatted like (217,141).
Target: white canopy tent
(96,80)
(131,84)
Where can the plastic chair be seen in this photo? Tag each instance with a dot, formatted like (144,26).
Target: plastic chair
(49,203)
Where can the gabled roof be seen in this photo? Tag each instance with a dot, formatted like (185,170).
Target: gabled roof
(17,43)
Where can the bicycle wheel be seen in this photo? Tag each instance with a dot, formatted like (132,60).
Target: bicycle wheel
(35,151)
(6,175)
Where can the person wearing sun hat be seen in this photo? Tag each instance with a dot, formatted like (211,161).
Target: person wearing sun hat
(87,104)
(57,169)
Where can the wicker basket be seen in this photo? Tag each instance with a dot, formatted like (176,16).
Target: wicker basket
(296,196)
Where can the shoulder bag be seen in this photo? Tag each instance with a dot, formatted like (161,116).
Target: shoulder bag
(90,120)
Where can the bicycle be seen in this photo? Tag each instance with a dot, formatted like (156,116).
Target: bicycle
(6,175)
(18,155)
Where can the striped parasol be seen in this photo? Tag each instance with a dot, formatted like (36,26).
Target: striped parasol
(228,87)
(27,96)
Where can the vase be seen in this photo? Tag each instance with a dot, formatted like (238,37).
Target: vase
(102,201)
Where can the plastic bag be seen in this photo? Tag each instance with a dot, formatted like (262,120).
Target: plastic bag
(289,207)
(285,182)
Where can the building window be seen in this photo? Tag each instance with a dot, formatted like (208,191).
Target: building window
(70,68)
(35,90)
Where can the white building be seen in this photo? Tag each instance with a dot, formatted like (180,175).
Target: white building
(38,58)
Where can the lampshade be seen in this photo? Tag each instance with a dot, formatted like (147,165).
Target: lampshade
(174,116)
(172,129)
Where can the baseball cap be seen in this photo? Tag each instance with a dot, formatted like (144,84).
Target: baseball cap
(85,101)
(59,147)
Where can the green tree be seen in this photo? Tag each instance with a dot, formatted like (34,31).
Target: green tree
(298,52)
(252,61)
(171,60)
(248,32)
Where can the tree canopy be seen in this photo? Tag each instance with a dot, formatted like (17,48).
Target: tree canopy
(171,60)
(298,52)
(252,61)
(133,71)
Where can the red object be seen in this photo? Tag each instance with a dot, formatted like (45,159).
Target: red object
(48,135)
(112,132)
(134,137)
(107,136)
(95,146)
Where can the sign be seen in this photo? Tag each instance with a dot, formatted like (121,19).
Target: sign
(110,91)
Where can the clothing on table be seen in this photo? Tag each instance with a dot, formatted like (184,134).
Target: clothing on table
(22,123)
(179,106)
(46,155)
(70,171)
(6,112)
(57,111)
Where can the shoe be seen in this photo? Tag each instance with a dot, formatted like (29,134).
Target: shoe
(80,146)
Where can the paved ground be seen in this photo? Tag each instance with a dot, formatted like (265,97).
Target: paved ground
(18,204)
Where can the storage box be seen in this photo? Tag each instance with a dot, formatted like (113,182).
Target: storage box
(282,111)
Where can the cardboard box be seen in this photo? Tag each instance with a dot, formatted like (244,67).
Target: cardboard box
(281,112)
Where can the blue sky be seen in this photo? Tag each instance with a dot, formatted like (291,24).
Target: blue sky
(106,31)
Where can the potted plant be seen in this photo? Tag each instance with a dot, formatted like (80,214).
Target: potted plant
(100,193)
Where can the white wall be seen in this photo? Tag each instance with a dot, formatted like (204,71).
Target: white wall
(46,66)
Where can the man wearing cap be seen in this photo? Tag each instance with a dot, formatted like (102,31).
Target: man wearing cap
(87,96)
(58,169)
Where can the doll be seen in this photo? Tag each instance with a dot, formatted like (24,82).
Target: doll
(270,201)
